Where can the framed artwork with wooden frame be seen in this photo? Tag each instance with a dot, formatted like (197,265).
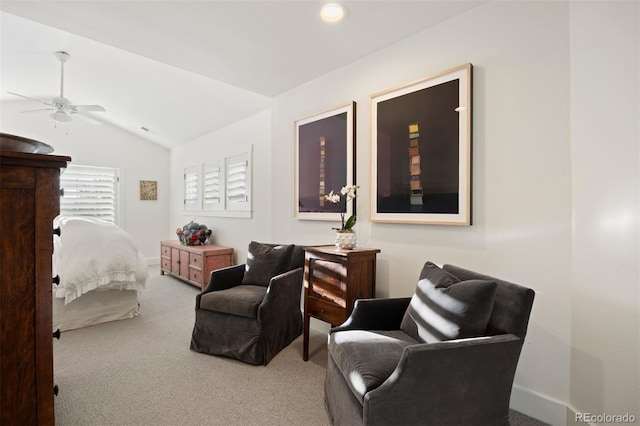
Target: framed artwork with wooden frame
(324,162)
(421,150)
(148,190)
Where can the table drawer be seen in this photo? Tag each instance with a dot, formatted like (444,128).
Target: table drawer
(326,311)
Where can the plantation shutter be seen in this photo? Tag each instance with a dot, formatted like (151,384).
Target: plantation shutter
(191,201)
(90,191)
(212,198)
(238,182)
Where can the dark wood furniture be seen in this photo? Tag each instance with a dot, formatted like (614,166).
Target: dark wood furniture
(193,264)
(333,279)
(29,201)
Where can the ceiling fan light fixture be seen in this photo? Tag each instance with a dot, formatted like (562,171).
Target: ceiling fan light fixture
(333,12)
(60,117)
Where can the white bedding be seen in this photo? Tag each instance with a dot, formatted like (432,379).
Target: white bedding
(91,254)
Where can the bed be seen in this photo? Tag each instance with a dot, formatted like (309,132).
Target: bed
(101,272)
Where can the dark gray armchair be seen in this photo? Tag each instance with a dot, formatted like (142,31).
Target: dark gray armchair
(251,312)
(446,356)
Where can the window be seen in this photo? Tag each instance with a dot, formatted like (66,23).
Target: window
(90,191)
(221,187)
(191,199)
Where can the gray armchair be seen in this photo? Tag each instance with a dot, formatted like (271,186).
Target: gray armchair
(446,356)
(251,312)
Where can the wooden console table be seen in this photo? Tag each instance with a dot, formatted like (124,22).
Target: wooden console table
(333,279)
(193,264)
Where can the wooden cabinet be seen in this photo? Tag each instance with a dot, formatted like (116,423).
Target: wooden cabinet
(333,279)
(29,201)
(193,264)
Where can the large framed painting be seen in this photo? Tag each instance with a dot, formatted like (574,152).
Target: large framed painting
(421,151)
(324,156)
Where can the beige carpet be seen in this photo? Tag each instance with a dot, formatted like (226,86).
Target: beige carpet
(141,372)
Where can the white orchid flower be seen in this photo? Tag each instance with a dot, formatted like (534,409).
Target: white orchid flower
(331,197)
(349,191)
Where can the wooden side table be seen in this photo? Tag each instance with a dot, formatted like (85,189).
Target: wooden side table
(333,279)
(193,264)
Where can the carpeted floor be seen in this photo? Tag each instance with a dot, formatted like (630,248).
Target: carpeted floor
(141,372)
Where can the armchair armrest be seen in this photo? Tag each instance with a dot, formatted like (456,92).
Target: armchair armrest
(478,371)
(283,294)
(375,314)
(222,279)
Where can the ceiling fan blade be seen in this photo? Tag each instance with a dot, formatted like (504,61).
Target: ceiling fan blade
(83,108)
(37,110)
(31,99)
(88,119)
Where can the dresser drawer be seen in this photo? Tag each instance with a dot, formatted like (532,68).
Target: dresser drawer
(195,259)
(195,275)
(326,311)
(166,264)
(165,251)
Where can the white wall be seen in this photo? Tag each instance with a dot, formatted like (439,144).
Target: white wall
(106,146)
(231,140)
(523,185)
(521,173)
(605,135)
(555,152)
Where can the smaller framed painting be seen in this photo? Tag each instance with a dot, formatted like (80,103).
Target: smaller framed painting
(421,151)
(324,162)
(148,190)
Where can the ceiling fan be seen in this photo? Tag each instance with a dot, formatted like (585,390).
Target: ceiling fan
(63,109)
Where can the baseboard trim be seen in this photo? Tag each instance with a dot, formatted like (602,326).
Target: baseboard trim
(152,261)
(571,417)
(539,406)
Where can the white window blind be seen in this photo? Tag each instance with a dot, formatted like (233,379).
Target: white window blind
(191,200)
(90,191)
(238,182)
(213,187)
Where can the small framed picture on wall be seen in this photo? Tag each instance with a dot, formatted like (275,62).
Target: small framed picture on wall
(148,190)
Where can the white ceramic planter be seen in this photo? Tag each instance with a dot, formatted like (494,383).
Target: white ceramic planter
(346,239)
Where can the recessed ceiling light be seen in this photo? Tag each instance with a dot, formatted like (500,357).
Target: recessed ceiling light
(333,12)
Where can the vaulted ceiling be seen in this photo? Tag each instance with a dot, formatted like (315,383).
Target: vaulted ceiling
(185,68)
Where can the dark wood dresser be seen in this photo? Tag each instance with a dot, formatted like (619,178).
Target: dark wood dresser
(29,201)
(193,264)
(333,279)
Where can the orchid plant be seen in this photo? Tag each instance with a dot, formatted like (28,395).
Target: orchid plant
(349,193)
